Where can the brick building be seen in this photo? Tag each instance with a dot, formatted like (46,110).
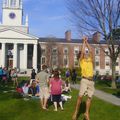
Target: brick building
(63,53)
(22,50)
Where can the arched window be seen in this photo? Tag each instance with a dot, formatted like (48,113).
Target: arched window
(13,3)
(20,2)
(5,3)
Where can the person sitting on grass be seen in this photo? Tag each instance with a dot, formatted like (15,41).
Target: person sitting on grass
(33,89)
(25,88)
(56,90)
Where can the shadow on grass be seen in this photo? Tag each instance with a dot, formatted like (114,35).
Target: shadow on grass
(82,109)
(117,94)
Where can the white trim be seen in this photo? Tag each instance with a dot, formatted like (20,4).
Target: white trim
(17,31)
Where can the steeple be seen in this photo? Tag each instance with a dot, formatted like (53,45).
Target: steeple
(26,20)
(12,12)
(12,4)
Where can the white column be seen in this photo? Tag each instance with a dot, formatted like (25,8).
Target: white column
(35,57)
(25,56)
(15,56)
(9,3)
(3,55)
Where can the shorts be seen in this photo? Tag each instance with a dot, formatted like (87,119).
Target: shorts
(44,93)
(56,98)
(86,88)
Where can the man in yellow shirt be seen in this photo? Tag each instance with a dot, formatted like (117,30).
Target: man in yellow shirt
(87,84)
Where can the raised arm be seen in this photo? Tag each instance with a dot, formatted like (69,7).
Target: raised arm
(89,47)
(82,49)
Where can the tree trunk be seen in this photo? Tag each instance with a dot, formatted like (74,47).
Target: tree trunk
(113,85)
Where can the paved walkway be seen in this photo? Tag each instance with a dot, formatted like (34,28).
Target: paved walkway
(104,96)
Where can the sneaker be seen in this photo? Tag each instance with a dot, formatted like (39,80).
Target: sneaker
(26,99)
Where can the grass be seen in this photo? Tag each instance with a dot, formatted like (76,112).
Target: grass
(15,108)
(106,87)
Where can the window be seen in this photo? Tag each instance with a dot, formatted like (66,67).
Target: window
(97,51)
(107,63)
(117,73)
(43,60)
(65,51)
(20,2)
(43,51)
(106,52)
(97,63)
(54,60)
(5,2)
(76,63)
(65,61)
(107,72)
(13,3)
(54,51)
(76,52)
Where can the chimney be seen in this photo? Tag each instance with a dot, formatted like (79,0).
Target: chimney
(96,37)
(68,35)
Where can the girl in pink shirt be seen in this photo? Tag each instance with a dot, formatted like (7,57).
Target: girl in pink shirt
(56,90)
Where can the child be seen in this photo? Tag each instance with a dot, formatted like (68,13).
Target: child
(33,89)
(56,90)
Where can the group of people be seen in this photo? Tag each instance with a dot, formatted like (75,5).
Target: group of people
(53,86)
(50,86)
(45,86)
(71,74)
(8,75)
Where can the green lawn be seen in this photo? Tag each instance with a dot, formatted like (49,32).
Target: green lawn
(12,108)
(106,87)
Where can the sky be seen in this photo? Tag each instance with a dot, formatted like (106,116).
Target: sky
(47,18)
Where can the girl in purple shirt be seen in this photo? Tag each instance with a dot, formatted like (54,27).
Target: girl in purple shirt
(56,90)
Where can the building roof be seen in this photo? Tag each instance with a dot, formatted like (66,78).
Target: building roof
(63,40)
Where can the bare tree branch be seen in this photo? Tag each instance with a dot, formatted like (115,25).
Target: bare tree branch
(102,16)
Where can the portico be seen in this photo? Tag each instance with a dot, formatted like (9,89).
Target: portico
(18,52)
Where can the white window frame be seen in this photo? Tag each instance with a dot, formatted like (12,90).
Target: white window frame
(41,59)
(96,51)
(65,49)
(65,57)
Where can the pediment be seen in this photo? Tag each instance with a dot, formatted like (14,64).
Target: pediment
(15,34)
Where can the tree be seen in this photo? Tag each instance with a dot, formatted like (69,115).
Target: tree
(53,52)
(101,16)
